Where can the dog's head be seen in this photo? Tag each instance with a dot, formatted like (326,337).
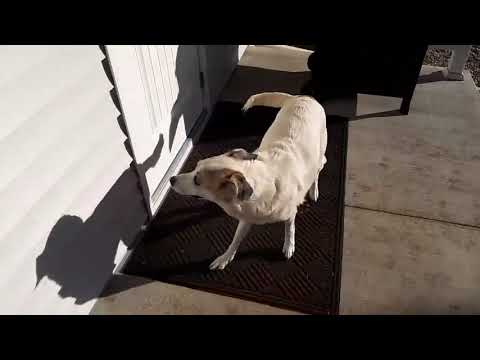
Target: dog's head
(219,179)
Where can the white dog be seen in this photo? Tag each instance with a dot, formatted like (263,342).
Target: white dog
(268,185)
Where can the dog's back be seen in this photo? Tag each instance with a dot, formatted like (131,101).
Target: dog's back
(296,141)
(300,125)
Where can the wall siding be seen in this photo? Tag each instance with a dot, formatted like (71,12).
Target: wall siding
(69,200)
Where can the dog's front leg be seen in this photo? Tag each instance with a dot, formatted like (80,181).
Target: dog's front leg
(227,257)
(289,243)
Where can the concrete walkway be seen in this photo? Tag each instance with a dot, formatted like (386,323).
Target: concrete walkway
(412,217)
(146,297)
(412,236)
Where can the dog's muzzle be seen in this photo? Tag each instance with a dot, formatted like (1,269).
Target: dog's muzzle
(173,180)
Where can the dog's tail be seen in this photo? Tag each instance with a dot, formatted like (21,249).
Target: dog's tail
(270,99)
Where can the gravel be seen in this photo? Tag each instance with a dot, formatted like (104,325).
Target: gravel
(439,57)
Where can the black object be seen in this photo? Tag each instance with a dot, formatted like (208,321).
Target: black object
(187,234)
(388,70)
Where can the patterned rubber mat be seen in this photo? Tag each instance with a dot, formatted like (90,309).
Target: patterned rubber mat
(188,234)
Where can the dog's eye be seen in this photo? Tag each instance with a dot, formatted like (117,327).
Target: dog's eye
(195,180)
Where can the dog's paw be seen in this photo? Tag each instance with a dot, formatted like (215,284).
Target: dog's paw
(221,262)
(288,249)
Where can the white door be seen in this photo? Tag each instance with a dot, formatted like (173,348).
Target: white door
(161,94)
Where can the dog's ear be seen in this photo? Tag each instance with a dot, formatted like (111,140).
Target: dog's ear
(245,190)
(236,186)
(242,154)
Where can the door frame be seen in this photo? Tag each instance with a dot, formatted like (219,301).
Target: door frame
(157,196)
(153,195)
(179,160)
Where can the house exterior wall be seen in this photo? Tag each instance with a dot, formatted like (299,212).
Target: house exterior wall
(70,202)
(69,199)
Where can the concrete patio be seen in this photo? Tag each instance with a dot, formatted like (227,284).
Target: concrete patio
(412,216)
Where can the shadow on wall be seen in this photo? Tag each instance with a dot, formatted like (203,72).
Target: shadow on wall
(189,102)
(79,255)
(220,62)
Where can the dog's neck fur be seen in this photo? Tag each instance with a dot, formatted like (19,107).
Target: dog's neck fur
(263,183)
(267,189)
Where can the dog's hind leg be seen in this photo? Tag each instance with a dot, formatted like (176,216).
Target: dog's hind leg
(313,192)
(224,259)
(289,243)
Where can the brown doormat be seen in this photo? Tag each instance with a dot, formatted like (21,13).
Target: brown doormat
(188,234)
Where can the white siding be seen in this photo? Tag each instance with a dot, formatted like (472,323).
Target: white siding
(67,193)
